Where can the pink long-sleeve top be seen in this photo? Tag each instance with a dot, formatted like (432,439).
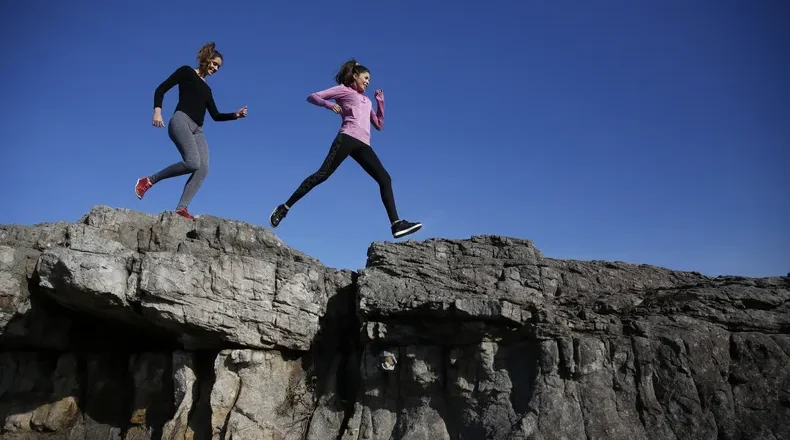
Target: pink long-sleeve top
(357,110)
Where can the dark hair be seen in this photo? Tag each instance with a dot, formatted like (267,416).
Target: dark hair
(345,75)
(207,53)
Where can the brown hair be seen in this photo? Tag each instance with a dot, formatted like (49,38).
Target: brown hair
(345,75)
(207,53)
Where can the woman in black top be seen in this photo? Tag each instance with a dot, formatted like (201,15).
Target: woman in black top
(186,126)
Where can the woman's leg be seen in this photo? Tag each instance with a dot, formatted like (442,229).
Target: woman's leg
(180,129)
(198,176)
(340,149)
(370,162)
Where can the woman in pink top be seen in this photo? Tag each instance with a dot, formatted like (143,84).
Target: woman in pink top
(353,140)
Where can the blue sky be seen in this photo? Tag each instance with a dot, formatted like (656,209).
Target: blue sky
(648,132)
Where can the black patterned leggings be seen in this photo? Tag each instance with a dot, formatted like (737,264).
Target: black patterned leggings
(342,147)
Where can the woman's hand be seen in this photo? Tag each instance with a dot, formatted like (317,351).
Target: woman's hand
(379,95)
(242,112)
(336,108)
(158,121)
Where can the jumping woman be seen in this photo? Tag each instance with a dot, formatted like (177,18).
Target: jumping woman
(353,140)
(186,126)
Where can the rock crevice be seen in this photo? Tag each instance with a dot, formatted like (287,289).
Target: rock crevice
(125,325)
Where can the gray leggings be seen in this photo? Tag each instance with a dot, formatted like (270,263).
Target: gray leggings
(188,137)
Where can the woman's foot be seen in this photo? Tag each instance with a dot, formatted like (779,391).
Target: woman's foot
(184,213)
(278,215)
(143,184)
(402,228)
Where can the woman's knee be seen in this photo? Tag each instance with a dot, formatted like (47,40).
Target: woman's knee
(384,178)
(194,164)
(319,176)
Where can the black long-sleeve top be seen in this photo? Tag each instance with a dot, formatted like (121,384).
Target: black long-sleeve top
(194,96)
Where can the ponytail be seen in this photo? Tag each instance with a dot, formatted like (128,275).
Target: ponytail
(207,53)
(345,75)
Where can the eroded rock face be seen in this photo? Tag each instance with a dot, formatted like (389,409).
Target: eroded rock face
(558,349)
(131,326)
(216,282)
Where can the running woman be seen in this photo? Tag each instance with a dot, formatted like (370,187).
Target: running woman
(353,140)
(186,126)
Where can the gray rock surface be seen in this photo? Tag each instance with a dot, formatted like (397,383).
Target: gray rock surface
(556,349)
(215,283)
(125,325)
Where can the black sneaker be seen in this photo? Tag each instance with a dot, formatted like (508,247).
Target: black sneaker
(402,227)
(278,215)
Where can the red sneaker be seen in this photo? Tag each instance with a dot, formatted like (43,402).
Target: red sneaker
(184,213)
(143,184)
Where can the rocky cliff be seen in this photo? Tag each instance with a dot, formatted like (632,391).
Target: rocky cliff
(128,326)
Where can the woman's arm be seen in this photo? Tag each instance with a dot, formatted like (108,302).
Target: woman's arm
(378,118)
(322,98)
(169,83)
(215,114)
